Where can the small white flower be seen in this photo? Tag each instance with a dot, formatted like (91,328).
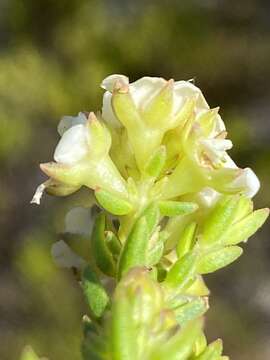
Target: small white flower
(68,121)
(64,257)
(249,181)
(73,145)
(75,140)
(145,89)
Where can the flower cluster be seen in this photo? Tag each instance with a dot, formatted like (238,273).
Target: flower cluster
(170,205)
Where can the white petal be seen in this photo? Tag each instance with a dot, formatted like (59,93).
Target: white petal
(64,257)
(73,145)
(220,126)
(228,162)
(217,144)
(109,81)
(184,90)
(249,181)
(107,111)
(144,89)
(68,121)
(208,196)
(79,221)
(38,194)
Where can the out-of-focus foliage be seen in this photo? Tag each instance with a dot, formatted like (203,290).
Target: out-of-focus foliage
(53,56)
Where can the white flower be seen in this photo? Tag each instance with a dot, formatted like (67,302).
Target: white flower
(249,181)
(75,141)
(67,122)
(145,89)
(64,257)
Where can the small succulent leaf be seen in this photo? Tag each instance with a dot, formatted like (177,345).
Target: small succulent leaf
(187,240)
(174,208)
(95,294)
(245,228)
(101,253)
(135,247)
(156,162)
(198,287)
(152,216)
(155,253)
(112,242)
(218,259)
(182,271)
(191,310)
(113,203)
(218,221)
(244,207)
(212,352)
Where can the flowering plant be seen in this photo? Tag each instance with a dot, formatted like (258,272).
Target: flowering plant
(169,206)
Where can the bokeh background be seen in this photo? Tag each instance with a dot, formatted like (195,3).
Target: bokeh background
(53,56)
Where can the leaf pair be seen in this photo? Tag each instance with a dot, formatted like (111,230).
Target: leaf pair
(232,221)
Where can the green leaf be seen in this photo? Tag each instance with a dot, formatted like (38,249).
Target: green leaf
(191,310)
(135,247)
(245,228)
(187,240)
(152,216)
(219,220)
(155,253)
(174,208)
(212,352)
(96,296)
(156,162)
(182,272)
(123,334)
(113,203)
(102,255)
(218,259)
(244,207)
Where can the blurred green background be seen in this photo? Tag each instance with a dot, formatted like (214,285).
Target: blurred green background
(53,56)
